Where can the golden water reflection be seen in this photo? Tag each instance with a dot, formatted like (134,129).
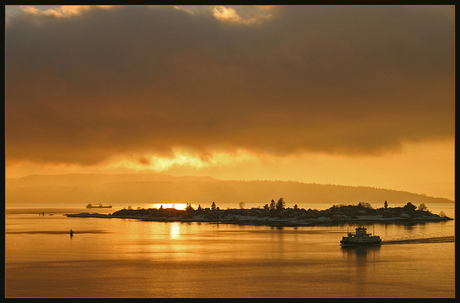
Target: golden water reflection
(175,230)
(363,260)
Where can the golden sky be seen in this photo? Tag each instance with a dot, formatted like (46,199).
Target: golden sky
(349,95)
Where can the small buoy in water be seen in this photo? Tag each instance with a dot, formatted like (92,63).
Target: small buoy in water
(71,233)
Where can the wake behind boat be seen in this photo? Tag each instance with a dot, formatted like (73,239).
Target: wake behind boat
(361,237)
(99,205)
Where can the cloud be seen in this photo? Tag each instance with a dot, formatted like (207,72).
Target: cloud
(147,81)
(226,14)
(61,11)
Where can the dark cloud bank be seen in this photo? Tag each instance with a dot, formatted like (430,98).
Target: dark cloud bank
(139,80)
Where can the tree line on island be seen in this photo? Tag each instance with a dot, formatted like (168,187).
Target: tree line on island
(277,212)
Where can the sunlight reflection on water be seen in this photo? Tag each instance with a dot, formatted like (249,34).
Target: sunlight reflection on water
(130,258)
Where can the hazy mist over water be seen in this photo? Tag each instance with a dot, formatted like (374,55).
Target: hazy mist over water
(146,191)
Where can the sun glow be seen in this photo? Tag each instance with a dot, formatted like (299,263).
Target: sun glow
(181,158)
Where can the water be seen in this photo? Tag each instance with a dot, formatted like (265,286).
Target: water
(130,258)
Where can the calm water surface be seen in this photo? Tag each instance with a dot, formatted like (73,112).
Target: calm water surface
(130,258)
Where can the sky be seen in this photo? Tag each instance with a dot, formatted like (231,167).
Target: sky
(347,95)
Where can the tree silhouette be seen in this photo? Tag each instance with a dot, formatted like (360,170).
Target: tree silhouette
(272,205)
(409,207)
(385,204)
(213,206)
(422,207)
(280,204)
(365,205)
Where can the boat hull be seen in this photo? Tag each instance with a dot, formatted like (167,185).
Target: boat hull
(355,243)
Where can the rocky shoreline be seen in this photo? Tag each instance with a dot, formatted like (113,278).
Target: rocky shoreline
(361,213)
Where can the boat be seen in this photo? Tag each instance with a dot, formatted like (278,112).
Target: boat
(99,205)
(361,237)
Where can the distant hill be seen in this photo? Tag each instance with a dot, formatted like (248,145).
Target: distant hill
(142,189)
(95,179)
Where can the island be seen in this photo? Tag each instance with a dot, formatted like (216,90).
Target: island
(278,215)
